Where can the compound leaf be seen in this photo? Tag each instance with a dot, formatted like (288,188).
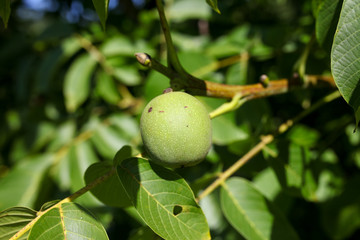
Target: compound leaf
(251,214)
(14,219)
(77,81)
(163,199)
(345,54)
(68,221)
(23,183)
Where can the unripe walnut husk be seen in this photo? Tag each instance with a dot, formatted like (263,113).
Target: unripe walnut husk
(176,130)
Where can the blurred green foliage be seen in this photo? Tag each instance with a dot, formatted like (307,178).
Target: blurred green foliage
(71,95)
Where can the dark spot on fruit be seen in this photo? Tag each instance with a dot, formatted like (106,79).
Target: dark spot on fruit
(150,109)
(185,106)
(168,90)
(161,111)
(187,125)
(177,210)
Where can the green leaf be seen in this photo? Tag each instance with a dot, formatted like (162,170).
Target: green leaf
(357,117)
(101,7)
(303,136)
(341,215)
(118,46)
(80,157)
(108,141)
(214,5)
(315,6)
(28,178)
(155,85)
(163,199)
(68,221)
(326,20)
(251,214)
(5,11)
(225,130)
(212,210)
(128,75)
(267,183)
(107,88)
(77,81)
(330,176)
(144,233)
(345,54)
(293,172)
(110,192)
(110,135)
(189,9)
(47,69)
(14,219)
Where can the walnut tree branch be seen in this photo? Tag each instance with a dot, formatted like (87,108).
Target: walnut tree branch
(196,86)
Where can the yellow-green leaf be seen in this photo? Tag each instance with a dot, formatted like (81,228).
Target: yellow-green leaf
(5,11)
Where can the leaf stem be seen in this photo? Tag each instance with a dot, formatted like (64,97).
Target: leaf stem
(262,144)
(172,58)
(235,103)
(71,198)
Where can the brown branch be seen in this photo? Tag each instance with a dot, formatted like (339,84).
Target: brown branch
(257,90)
(196,86)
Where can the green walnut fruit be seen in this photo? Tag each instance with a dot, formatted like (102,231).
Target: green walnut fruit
(176,130)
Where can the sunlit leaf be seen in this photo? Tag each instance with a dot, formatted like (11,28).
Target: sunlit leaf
(163,199)
(81,156)
(267,183)
(251,214)
(68,221)
(14,219)
(189,9)
(77,81)
(345,54)
(212,210)
(107,88)
(128,75)
(326,20)
(28,178)
(214,5)
(101,7)
(303,135)
(117,46)
(292,171)
(108,141)
(225,131)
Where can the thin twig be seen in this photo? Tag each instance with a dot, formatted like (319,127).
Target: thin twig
(261,145)
(196,86)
